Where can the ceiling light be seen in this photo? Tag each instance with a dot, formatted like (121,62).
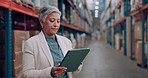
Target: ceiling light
(97,3)
(96,7)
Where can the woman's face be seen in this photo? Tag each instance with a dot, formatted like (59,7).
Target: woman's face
(51,24)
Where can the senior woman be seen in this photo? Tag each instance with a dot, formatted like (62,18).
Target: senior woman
(43,53)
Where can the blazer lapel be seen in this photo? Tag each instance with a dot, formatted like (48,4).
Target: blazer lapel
(62,45)
(45,48)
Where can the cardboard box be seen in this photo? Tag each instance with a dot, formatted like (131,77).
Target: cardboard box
(17,1)
(17,71)
(18,76)
(33,33)
(19,37)
(138,30)
(146,52)
(138,55)
(53,3)
(17,59)
(134,42)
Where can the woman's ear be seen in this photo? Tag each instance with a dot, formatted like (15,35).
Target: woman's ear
(41,22)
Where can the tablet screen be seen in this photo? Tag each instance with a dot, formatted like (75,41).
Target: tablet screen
(73,58)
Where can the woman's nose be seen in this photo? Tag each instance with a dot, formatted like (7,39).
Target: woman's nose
(56,24)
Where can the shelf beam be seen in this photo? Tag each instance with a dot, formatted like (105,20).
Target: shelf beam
(138,11)
(19,8)
(71,26)
(16,7)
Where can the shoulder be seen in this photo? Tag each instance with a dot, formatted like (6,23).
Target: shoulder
(32,39)
(30,44)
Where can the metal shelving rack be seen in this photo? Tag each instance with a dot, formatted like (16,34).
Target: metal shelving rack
(8,27)
(119,22)
(142,12)
(10,6)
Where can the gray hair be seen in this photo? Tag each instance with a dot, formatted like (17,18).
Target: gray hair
(46,10)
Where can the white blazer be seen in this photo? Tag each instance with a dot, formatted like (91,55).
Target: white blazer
(37,58)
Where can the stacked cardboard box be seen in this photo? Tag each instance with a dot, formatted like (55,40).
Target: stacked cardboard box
(36,3)
(73,40)
(75,19)
(86,27)
(53,3)
(78,40)
(146,52)
(138,55)
(134,47)
(138,30)
(19,38)
(103,37)
(83,36)
(33,33)
(44,2)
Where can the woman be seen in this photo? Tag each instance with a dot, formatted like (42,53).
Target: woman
(43,53)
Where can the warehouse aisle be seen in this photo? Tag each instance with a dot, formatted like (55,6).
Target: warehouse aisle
(104,61)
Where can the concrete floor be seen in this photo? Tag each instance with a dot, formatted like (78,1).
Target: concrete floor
(103,61)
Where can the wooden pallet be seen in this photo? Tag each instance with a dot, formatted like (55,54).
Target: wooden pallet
(18,2)
(28,5)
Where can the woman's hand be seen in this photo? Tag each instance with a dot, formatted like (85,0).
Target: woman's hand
(57,71)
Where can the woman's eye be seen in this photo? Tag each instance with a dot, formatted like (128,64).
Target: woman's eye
(58,21)
(51,20)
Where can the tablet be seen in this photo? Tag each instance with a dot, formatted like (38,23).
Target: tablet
(74,58)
